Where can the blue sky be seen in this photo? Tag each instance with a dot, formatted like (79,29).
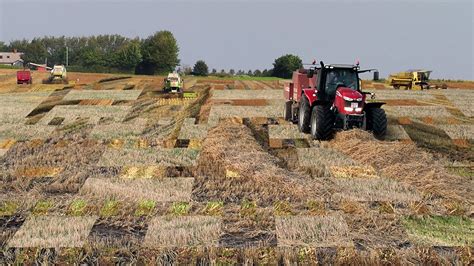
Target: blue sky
(388,35)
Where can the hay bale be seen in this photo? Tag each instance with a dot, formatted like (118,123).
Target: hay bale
(396,132)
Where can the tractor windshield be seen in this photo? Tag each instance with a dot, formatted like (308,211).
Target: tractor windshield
(336,78)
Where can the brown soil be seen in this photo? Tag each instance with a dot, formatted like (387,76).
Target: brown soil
(404,121)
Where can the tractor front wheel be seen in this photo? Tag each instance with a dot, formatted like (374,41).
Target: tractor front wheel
(322,122)
(377,122)
(304,115)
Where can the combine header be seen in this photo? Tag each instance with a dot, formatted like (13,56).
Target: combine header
(325,98)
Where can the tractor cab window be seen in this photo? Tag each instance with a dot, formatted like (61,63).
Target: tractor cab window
(336,78)
(173,79)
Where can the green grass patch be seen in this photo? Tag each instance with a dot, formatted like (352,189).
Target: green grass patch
(8,208)
(42,207)
(440,230)
(282,208)
(214,207)
(180,208)
(77,207)
(110,208)
(145,208)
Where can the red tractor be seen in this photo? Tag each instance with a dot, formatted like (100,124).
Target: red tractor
(326,98)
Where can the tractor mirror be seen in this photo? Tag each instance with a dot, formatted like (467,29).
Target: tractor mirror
(310,73)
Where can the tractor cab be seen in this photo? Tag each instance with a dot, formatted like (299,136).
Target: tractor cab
(331,78)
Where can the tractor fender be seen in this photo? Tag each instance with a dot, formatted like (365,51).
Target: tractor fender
(311,94)
(374,105)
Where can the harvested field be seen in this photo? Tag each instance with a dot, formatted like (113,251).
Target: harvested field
(167,189)
(183,231)
(396,132)
(310,231)
(149,156)
(417,111)
(405,163)
(374,189)
(118,172)
(53,232)
(247,94)
(459,131)
(233,166)
(93,113)
(128,95)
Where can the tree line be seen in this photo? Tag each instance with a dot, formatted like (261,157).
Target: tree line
(283,67)
(157,54)
(103,53)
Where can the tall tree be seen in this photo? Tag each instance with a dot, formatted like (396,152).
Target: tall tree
(285,65)
(160,52)
(200,68)
(128,56)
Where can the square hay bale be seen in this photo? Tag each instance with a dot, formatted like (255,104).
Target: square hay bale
(190,130)
(321,159)
(126,95)
(114,130)
(246,94)
(53,232)
(396,132)
(312,231)
(375,189)
(288,131)
(183,231)
(353,171)
(463,131)
(93,112)
(162,190)
(149,156)
(417,111)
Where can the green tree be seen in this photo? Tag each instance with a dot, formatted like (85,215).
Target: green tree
(128,56)
(35,52)
(285,65)
(160,52)
(250,73)
(200,68)
(3,47)
(214,71)
(232,72)
(257,73)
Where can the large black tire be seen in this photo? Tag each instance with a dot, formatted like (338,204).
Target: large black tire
(288,115)
(377,122)
(304,115)
(322,122)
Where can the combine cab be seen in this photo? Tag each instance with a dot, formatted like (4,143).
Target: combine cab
(327,98)
(58,75)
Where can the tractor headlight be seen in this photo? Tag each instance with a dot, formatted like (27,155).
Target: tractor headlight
(351,99)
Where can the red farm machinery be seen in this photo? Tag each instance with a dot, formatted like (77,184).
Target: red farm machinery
(326,98)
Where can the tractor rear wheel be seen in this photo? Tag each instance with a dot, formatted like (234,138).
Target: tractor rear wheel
(322,122)
(288,115)
(377,122)
(304,115)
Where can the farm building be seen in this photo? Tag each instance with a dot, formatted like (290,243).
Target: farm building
(11,58)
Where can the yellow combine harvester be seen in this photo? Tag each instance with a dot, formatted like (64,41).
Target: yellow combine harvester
(410,80)
(58,75)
